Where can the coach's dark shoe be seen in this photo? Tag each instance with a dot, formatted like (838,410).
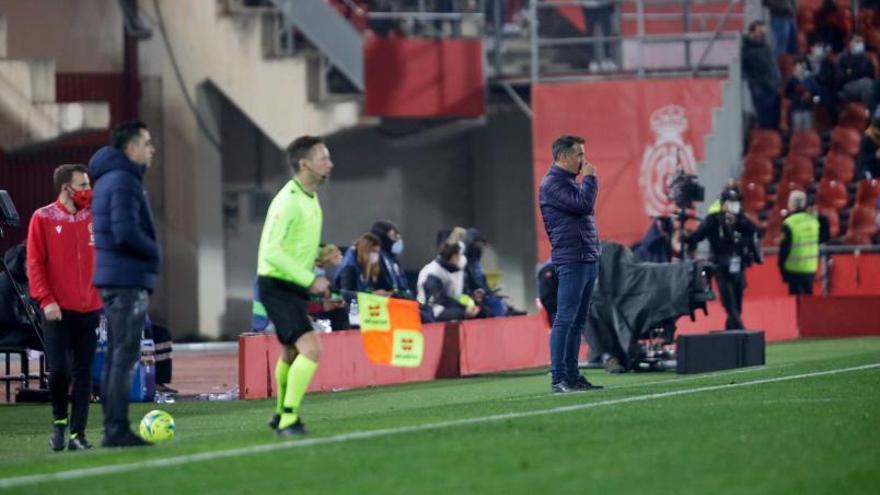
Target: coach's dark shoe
(274,420)
(560,387)
(78,441)
(127,439)
(297,429)
(56,441)
(581,384)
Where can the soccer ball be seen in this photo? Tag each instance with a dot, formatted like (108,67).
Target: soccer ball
(157,426)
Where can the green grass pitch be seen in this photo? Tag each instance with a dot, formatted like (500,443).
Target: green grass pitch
(810,423)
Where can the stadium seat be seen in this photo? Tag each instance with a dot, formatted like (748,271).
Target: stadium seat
(868,192)
(765,142)
(797,169)
(831,194)
(839,167)
(862,225)
(754,198)
(855,116)
(783,190)
(805,142)
(845,140)
(833,218)
(758,169)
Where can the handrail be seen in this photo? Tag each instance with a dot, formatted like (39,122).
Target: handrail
(718,30)
(836,249)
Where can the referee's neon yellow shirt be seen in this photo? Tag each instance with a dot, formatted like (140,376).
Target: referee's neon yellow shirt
(291,236)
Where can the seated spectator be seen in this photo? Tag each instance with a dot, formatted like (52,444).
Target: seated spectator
(761,72)
(868,160)
(328,262)
(855,72)
(656,246)
(391,274)
(437,288)
(831,26)
(360,267)
(475,283)
(800,90)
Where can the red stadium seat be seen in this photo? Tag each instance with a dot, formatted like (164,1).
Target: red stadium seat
(831,194)
(862,225)
(833,218)
(845,140)
(753,198)
(757,169)
(855,116)
(805,142)
(782,192)
(868,192)
(766,142)
(839,167)
(798,169)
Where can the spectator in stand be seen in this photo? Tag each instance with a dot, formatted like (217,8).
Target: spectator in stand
(762,75)
(855,72)
(782,22)
(800,90)
(656,246)
(799,246)
(868,160)
(383,27)
(437,287)
(328,265)
(476,284)
(830,26)
(391,272)
(360,267)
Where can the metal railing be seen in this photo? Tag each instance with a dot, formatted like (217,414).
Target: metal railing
(826,255)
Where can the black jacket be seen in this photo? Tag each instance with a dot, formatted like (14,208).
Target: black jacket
(568,210)
(726,240)
(759,66)
(125,239)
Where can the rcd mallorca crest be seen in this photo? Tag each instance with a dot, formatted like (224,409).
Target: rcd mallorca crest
(664,158)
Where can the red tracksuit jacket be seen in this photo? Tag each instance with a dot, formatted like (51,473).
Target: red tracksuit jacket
(61,258)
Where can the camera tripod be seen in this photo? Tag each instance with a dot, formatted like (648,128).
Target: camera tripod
(22,298)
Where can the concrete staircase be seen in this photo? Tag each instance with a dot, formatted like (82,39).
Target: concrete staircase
(29,114)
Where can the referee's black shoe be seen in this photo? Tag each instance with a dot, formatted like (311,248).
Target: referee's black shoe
(274,420)
(56,441)
(297,429)
(78,441)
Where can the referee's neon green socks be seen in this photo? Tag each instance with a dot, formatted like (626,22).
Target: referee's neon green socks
(298,377)
(281,369)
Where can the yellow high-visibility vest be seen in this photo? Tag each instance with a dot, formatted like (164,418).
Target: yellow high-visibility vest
(804,254)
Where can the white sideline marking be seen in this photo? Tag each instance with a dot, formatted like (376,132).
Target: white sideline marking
(75,474)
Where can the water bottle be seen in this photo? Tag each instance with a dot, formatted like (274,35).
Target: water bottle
(354,317)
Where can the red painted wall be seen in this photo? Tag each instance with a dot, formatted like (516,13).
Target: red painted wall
(422,77)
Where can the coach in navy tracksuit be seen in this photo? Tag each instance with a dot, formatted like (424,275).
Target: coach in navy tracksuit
(126,268)
(567,208)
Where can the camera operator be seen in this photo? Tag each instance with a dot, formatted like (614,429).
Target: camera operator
(733,248)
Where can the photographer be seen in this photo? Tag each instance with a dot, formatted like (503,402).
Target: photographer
(733,248)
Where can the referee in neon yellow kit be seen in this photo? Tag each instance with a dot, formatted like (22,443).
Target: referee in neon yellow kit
(285,269)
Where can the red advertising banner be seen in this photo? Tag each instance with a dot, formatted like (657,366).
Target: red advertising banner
(638,133)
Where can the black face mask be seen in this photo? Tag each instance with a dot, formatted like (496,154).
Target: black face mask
(474,252)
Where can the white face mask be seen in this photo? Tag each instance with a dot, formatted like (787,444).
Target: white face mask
(818,51)
(374,258)
(462,262)
(733,207)
(857,47)
(397,247)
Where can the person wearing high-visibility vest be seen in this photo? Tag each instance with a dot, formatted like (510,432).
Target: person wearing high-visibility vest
(799,247)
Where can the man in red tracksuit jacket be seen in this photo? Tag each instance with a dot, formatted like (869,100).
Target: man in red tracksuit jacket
(60,264)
